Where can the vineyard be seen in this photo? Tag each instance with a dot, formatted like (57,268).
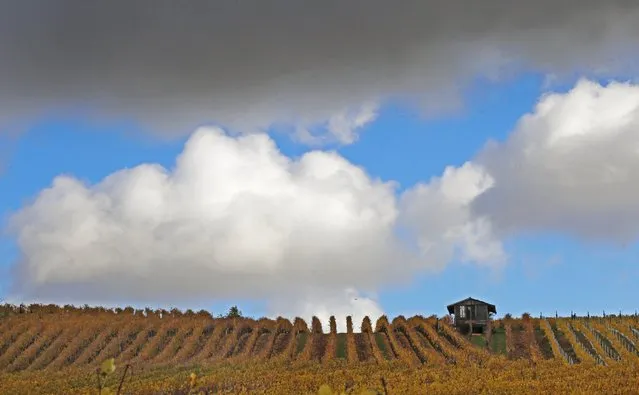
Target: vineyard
(57,350)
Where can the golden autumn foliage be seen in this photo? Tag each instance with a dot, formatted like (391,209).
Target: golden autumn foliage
(516,377)
(351,347)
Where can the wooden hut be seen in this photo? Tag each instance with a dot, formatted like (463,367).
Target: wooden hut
(471,315)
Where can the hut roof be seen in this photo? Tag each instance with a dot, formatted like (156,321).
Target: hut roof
(471,301)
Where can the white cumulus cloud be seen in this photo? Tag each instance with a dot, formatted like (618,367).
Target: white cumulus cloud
(570,166)
(233,219)
(438,213)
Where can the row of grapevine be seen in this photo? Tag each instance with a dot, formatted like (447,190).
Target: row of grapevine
(554,343)
(11,333)
(33,352)
(351,347)
(56,348)
(535,351)
(619,341)
(450,353)
(199,339)
(28,337)
(122,342)
(263,343)
(33,342)
(78,345)
(625,340)
(510,347)
(288,342)
(473,353)
(425,348)
(602,342)
(583,347)
(420,346)
(174,345)
(367,329)
(398,349)
(628,344)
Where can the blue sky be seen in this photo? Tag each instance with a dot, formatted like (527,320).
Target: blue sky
(546,271)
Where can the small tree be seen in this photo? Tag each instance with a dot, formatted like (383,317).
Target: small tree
(204,314)
(234,312)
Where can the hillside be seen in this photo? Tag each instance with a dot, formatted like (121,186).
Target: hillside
(45,342)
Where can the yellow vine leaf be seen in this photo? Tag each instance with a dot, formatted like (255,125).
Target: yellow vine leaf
(108,366)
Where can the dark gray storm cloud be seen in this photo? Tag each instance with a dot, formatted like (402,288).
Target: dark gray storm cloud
(246,64)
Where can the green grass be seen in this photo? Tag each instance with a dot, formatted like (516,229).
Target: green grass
(340,351)
(498,341)
(301,342)
(379,339)
(478,340)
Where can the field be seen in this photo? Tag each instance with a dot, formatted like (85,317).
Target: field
(57,350)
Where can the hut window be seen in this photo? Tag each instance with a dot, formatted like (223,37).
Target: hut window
(462,311)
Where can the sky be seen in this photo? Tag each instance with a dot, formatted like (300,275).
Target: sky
(333,159)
